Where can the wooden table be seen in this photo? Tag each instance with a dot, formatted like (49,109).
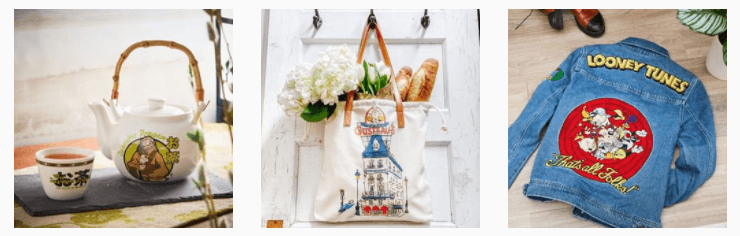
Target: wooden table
(535,50)
(182,214)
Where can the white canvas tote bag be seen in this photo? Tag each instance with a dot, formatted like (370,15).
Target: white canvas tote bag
(373,165)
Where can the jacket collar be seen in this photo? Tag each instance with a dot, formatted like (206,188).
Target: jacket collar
(644,44)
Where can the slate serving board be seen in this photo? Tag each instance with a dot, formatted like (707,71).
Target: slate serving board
(110,190)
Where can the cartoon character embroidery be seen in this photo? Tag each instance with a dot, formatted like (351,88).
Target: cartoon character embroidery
(587,144)
(148,162)
(597,117)
(604,140)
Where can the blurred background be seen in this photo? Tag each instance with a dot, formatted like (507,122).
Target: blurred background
(64,59)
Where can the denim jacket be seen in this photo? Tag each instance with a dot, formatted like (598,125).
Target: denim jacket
(616,112)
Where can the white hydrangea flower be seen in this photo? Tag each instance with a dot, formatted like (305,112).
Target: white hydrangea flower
(293,96)
(333,73)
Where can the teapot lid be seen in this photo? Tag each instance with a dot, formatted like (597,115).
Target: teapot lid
(156,107)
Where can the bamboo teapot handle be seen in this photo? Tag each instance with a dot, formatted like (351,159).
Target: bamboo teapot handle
(148,43)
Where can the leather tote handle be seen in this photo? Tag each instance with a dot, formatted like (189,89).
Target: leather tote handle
(387,61)
(148,43)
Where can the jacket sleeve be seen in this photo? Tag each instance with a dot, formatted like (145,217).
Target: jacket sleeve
(524,133)
(698,147)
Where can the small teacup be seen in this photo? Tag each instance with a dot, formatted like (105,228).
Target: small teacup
(65,171)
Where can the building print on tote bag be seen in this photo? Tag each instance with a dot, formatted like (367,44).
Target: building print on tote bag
(383,191)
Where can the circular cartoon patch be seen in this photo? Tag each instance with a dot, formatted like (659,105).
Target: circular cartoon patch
(609,136)
(149,159)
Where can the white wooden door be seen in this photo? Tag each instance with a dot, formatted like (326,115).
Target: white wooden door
(291,166)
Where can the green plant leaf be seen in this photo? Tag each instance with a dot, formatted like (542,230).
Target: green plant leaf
(384,82)
(194,136)
(365,85)
(190,67)
(197,184)
(227,64)
(724,53)
(197,137)
(704,21)
(316,112)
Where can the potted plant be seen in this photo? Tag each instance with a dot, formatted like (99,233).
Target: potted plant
(711,22)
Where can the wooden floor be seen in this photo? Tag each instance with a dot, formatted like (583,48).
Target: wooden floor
(535,50)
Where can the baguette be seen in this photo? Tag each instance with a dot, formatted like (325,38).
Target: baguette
(422,82)
(406,70)
(402,83)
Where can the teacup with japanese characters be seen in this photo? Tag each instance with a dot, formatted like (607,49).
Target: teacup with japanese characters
(65,171)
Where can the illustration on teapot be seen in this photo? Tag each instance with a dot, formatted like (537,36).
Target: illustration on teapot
(150,159)
(147,142)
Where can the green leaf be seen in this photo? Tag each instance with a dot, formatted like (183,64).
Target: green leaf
(198,138)
(384,80)
(316,112)
(194,136)
(724,53)
(704,21)
(190,67)
(197,184)
(227,64)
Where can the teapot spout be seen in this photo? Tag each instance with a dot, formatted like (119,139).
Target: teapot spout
(105,124)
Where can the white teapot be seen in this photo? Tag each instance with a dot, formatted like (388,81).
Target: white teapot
(149,142)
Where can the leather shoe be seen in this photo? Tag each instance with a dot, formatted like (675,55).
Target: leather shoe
(590,22)
(555,17)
